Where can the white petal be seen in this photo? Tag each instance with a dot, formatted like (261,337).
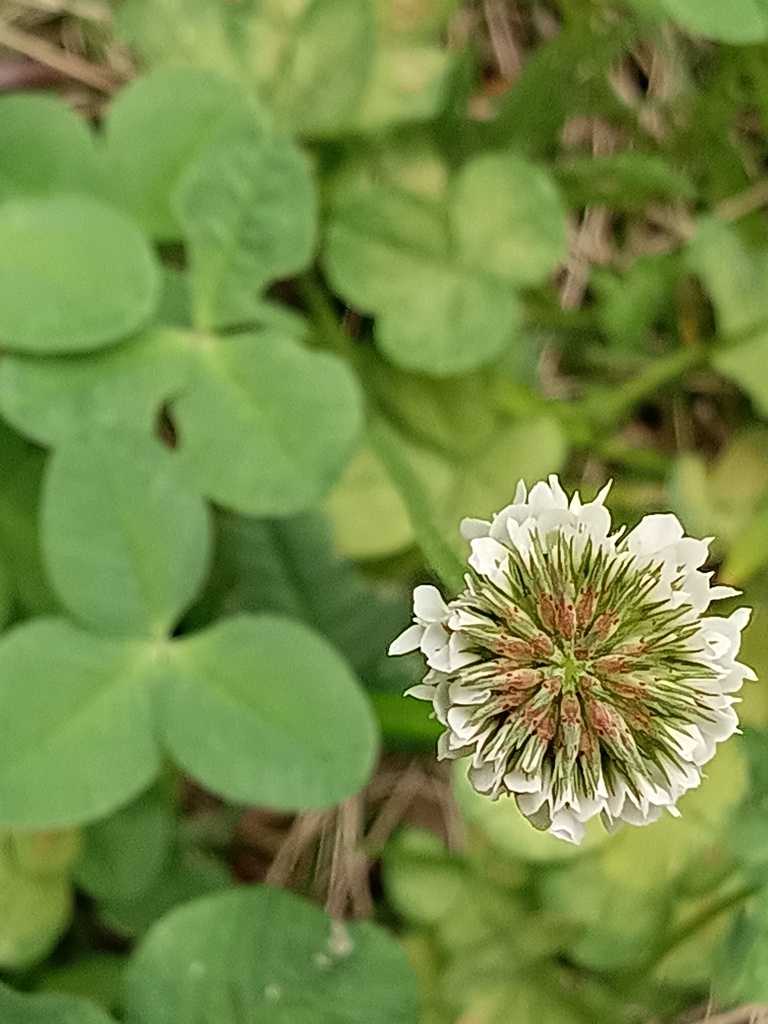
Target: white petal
(409,640)
(691,553)
(531,801)
(467,694)
(604,491)
(433,640)
(483,777)
(421,691)
(459,721)
(444,749)
(654,533)
(471,529)
(428,604)
(542,498)
(442,702)
(488,556)
(511,514)
(596,519)
(741,617)
(458,655)
(558,494)
(552,521)
(460,617)
(565,825)
(519,782)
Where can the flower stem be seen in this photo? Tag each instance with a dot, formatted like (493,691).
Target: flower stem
(387,445)
(438,553)
(690,927)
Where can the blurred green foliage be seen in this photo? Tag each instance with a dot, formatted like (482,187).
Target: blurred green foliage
(323,278)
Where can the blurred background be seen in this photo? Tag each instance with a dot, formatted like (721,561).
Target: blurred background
(595,305)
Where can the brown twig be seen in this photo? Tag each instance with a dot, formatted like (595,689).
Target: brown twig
(28,74)
(755,1013)
(301,833)
(508,53)
(394,806)
(55,57)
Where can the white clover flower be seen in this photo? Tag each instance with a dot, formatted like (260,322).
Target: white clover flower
(577,669)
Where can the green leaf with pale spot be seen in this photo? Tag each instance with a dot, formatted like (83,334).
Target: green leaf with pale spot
(308,62)
(78,738)
(157,127)
(125,536)
(36,895)
(264,955)
(75,275)
(319,58)
(441,276)
(508,219)
(247,209)
(266,425)
(407,83)
(293,728)
(47,148)
(16,1008)
(258,709)
(368,516)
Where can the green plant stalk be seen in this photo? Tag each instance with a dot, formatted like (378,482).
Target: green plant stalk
(438,553)
(685,931)
(386,443)
(330,332)
(605,406)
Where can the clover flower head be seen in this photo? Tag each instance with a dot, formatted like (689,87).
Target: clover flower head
(577,670)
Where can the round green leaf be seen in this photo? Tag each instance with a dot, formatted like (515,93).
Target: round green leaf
(248,212)
(407,83)
(508,219)
(367,512)
(46,148)
(124,854)
(737,21)
(16,1008)
(309,61)
(265,955)
(289,566)
(389,253)
(76,720)
(262,710)
(125,537)
(50,399)
(74,275)
(21,471)
(266,425)
(326,56)
(157,127)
